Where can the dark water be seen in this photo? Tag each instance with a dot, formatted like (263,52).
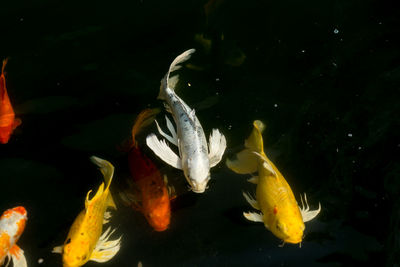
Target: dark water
(323,75)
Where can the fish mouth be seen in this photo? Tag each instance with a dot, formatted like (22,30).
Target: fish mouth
(198,190)
(293,240)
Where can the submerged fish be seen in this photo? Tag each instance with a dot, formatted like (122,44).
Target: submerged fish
(274,197)
(8,122)
(85,240)
(195,156)
(12,224)
(154,196)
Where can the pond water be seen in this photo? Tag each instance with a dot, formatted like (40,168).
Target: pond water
(322,76)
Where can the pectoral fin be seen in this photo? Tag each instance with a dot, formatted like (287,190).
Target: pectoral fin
(18,257)
(217,146)
(17,122)
(305,211)
(251,200)
(105,249)
(253,216)
(57,249)
(253,180)
(169,138)
(162,150)
(246,162)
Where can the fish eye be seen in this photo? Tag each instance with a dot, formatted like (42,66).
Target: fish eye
(68,241)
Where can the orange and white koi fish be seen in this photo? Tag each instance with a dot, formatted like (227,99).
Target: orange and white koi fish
(154,195)
(12,224)
(274,197)
(8,122)
(85,240)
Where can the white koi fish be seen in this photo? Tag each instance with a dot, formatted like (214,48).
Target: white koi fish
(195,156)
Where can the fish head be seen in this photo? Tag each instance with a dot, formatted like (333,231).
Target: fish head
(16,218)
(158,212)
(75,252)
(290,231)
(197,173)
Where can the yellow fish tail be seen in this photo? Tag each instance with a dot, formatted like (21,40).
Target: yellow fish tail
(145,118)
(107,169)
(247,161)
(255,140)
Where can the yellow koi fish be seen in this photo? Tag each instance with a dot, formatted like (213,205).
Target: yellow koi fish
(85,241)
(274,197)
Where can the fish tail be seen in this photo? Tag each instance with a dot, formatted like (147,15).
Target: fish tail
(246,161)
(18,257)
(106,168)
(3,80)
(255,141)
(145,118)
(171,81)
(4,65)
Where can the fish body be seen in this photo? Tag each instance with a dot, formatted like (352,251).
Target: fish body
(154,200)
(85,240)
(196,157)
(274,197)
(8,122)
(12,224)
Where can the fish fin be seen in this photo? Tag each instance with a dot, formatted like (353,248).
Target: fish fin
(170,188)
(171,139)
(253,216)
(253,180)
(246,162)
(167,108)
(255,141)
(217,146)
(142,120)
(251,201)
(57,249)
(106,217)
(305,211)
(131,200)
(162,150)
(3,89)
(105,249)
(17,256)
(266,164)
(192,114)
(171,129)
(17,122)
(175,65)
(110,201)
(106,168)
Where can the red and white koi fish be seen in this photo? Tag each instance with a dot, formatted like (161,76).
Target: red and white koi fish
(12,224)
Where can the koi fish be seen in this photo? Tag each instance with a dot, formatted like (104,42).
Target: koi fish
(154,200)
(8,122)
(195,156)
(85,240)
(12,224)
(274,197)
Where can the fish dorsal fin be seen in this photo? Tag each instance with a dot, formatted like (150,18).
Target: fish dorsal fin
(106,168)
(255,141)
(175,65)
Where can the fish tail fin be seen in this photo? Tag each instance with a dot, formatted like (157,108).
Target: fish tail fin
(255,141)
(246,161)
(170,82)
(106,168)
(144,118)
(3,80)
(18,257)
(4,65)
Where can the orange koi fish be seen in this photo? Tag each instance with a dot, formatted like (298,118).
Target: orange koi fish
(8,122)
(12,224)
(154,195)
